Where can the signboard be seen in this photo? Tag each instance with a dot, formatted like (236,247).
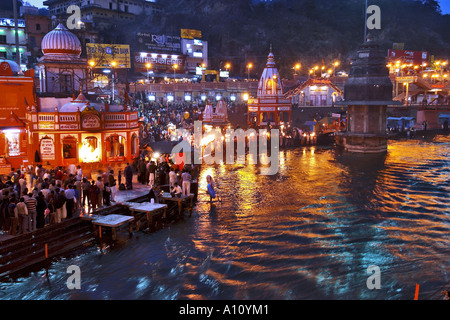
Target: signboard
(5,22)
(90,122)
(104,54)
(5,169)
(398,46)
(115,125)
(409,79)
(159,42)
(405,56)
(47,149)
(158,61)
(190,33)
(68,126)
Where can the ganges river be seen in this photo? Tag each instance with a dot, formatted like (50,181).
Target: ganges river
(309,232)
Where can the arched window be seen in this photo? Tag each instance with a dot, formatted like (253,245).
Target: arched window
(69,147)
(115,146)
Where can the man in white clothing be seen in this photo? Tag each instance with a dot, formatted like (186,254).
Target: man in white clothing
(186,177)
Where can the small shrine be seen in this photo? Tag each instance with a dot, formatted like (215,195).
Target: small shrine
(270,107)
(217,116)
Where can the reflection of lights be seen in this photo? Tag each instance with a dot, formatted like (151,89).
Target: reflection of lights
(207,139)
(203,97)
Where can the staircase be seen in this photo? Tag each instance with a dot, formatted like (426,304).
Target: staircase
(31,248)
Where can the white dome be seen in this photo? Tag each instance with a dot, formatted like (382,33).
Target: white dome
(61,41)
(270,82)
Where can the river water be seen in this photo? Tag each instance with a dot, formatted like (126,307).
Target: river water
(309,232)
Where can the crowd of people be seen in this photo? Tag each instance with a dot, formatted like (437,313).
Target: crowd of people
(157,117)
(38,197)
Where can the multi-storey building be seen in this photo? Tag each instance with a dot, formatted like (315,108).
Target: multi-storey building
(8,41)
(102,13)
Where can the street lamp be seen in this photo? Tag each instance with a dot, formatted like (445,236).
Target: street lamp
(335,65)
(249,66)
(113,65)
(296,68)
(175,67)
(91,64)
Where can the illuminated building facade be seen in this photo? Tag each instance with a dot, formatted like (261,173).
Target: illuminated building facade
(57,130)
(81,132)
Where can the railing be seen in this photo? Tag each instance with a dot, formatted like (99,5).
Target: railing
(67,118)
(115,117)
(46,118)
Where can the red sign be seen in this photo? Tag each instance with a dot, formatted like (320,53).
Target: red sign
(408,57)
(158,61)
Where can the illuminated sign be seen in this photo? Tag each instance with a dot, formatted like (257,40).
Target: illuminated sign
(190,33)
(103,55)
(405,56)
(157,60)
(5,22)
(159,42)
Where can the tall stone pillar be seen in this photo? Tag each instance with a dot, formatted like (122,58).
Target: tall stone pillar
(367,93)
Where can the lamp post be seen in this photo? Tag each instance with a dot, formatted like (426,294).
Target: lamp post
(175,67)
(296,68)
(227,67)
(113,64)
(249,66)
(91,66)
(335,65)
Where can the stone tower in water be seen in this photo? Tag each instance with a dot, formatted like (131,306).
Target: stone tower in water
(367,93)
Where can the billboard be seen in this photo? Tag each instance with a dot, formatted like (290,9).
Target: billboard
(104,54)
(405,56)
(159,42)
(191,34)
(158,61)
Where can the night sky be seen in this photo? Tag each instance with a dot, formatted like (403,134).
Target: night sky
(445,4)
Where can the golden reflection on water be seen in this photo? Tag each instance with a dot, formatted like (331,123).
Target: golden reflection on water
(324,213)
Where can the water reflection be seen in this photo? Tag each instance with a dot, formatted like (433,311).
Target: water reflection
(308,232)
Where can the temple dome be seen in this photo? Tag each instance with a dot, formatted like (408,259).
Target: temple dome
(61,41)
(270,82)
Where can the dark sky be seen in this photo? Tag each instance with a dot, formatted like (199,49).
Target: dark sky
(445,4)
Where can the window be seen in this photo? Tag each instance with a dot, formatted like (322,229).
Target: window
(126,8)
(110,6)
(2,39)
(38,26)
(70,145)
(66,83)
(12,138)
